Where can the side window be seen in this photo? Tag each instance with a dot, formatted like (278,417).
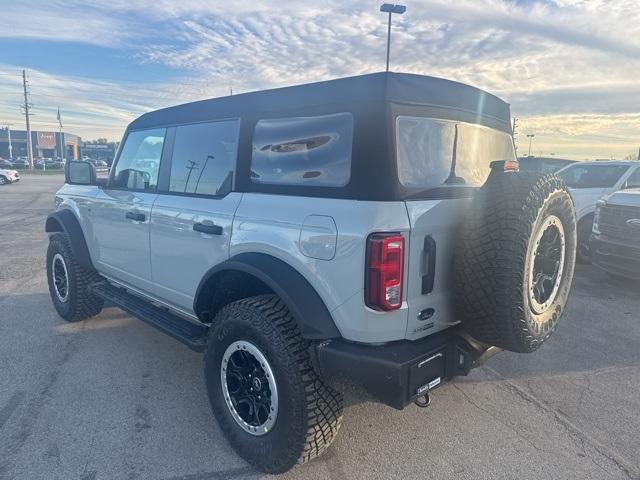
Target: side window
(204,156)
(634,179)
(313,151)
(139,161)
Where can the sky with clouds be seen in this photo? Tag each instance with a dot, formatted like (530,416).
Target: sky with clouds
(569,68)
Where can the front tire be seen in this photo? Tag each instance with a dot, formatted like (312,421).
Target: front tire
(69,282)
(298,416)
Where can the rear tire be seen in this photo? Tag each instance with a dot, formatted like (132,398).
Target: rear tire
(4,180)
(306,413)
(516,259)
(69,282)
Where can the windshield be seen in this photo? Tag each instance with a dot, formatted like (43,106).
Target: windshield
(427,157)
(592,176)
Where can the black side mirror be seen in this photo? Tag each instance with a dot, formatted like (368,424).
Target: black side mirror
(79,172)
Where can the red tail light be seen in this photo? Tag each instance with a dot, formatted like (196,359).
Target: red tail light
(385,263)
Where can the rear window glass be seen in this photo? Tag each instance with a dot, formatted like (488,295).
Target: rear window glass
(314,151)
(592,176)
(425,148)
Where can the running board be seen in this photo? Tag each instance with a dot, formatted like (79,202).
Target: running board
(192,335)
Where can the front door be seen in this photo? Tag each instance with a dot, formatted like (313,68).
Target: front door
(192,218)
(123,211)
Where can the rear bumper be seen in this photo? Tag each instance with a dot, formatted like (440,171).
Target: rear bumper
(615,256)
(399,372)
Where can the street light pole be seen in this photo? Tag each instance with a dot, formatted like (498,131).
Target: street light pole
(388,41)
(8,125)
(390,9)
(530,137)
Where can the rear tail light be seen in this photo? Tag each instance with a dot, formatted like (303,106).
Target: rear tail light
(384,271)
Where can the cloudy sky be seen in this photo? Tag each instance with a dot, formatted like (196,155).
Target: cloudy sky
(569,68)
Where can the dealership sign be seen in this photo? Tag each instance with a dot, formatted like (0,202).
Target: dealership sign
(46,140)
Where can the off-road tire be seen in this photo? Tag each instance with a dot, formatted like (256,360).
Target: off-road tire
(309,413)
(81,303)
(4,180)
(492,261)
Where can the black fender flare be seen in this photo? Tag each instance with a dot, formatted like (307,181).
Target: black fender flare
(304,303)
(65,221)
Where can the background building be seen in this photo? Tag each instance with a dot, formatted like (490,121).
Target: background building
(44,144)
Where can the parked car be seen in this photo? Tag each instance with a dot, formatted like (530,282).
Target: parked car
(98,163)
(615,242)
(307,234)
(588,183)
(8,176)
(21,163)
(6,163)
(543,164)
(49,164)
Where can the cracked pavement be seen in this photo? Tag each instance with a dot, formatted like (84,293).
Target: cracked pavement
(111,398)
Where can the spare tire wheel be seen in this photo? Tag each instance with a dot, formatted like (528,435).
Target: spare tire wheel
(515,259)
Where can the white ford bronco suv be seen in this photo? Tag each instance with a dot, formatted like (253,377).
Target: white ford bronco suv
(372,230)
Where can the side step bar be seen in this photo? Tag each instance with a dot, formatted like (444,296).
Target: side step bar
(192,335)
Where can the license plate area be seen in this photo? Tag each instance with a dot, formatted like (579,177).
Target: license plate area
(427,373)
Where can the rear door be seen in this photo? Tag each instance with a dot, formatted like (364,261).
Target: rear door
(192,217)
(122,210)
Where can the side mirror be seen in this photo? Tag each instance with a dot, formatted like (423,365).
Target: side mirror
(79,172)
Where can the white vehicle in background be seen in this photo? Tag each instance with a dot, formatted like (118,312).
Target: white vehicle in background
(8,176)
(615,242)
(588,182)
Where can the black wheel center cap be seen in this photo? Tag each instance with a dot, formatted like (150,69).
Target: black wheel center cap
(256,383)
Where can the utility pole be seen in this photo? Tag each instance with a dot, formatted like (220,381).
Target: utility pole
(61,135)
(26,116)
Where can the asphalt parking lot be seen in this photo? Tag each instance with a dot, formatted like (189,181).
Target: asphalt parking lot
(111,398)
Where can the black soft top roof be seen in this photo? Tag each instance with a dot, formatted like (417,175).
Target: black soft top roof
(374,101)
(341,94)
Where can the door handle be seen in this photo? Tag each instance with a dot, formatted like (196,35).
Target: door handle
(138,217)
(209,229)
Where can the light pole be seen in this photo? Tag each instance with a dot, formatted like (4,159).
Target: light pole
(530,137)
(390,9)
(8,126)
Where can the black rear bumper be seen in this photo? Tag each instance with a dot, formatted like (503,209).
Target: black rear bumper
(615,256)
(399,372)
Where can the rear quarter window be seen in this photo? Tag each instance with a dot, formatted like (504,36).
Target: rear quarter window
(425,152)
(314,151)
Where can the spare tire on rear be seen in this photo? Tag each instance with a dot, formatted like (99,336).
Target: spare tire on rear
(515,259)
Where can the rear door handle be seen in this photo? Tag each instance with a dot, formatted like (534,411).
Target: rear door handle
(138,217)
(207,228)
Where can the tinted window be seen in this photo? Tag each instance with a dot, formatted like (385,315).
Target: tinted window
(634,180)
(592,176)
(303,150)
(204,156)
(426,146)
(139,161)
